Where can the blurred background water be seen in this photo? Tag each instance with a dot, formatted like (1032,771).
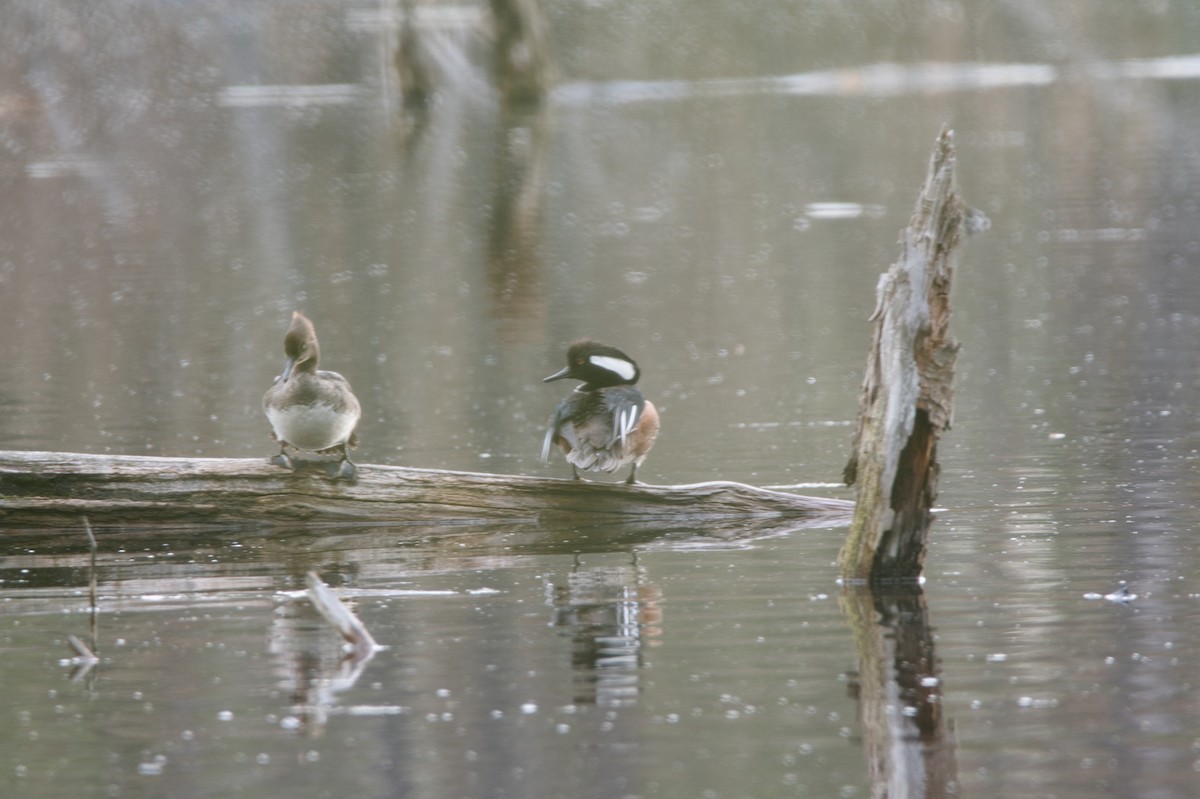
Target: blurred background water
(714,187)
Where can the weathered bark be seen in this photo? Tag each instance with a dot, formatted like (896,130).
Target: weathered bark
(54,489)
(907,395)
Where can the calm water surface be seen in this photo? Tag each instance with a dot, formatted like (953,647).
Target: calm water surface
(713,187)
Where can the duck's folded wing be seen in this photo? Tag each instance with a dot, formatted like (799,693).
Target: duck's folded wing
(558,427)
(626,406)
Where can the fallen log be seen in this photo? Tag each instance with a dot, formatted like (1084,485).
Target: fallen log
(54,489)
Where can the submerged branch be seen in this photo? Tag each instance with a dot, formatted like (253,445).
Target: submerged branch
(83,653)
(349,626)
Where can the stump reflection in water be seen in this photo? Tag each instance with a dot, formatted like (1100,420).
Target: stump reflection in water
(909,749)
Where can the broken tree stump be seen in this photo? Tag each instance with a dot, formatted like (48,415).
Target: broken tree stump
(54,489)
(907,396)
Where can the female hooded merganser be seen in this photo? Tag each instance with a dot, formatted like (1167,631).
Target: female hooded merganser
(310,409)
(606,422)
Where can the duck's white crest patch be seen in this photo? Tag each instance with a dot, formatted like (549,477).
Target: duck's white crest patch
(618,366)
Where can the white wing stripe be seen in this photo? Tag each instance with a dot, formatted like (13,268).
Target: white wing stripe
(626,421)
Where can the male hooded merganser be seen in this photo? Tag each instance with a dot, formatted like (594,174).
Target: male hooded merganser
(606,422)
(310,409)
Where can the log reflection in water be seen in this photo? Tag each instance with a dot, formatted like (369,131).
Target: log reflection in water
(910,751)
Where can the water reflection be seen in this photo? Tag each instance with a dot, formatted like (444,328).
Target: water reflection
(878,80)
(311,665)
(490,662)
(514,264)
(157,222)
(611,612)
(909,751)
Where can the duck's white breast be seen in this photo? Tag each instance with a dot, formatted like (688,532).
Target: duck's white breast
(312,427)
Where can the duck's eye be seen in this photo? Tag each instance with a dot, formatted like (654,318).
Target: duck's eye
(580,361)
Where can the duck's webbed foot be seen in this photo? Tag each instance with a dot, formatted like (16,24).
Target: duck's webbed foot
(282,459)
(342,470)
(345,468)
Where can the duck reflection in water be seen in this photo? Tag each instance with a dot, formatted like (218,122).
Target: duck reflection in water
(611,613)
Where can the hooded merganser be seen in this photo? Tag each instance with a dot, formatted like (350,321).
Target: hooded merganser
(310,409)
(606,422)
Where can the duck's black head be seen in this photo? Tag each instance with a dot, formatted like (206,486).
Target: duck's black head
(597,365)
